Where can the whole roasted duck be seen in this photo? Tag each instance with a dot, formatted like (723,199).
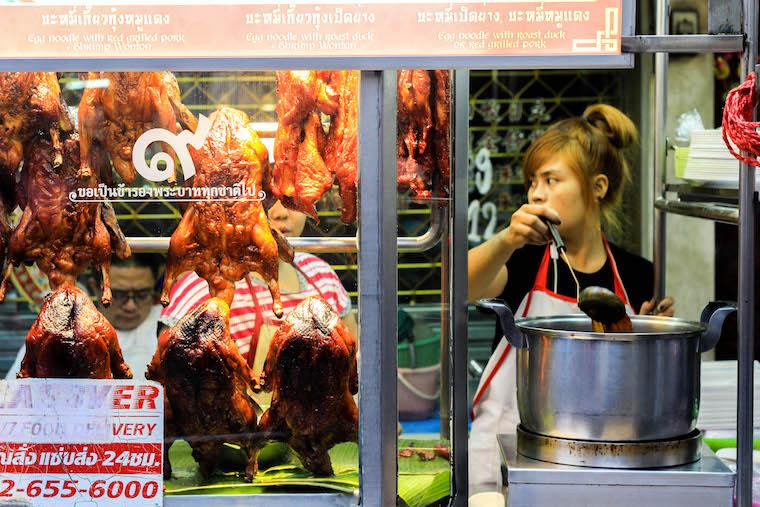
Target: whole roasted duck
(63,236)
(224,240)
(30,107)
(307,162)
(112,118)
(5,235)
(72,339)
(441,129)
(424,110)
(311,372)
(341,149)
(206,382)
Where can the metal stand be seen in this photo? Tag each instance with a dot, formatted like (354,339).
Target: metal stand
(532,483)
(745,215)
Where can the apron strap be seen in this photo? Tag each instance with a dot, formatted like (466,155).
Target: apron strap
(617,281)
(542,276)
(308,281)
(257,324)
(259,316)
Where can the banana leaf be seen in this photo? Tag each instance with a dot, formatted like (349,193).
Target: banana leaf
(279,467)
(420,482)
(420,490)
(414,465)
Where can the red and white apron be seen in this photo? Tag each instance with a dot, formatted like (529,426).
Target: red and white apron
(494,408)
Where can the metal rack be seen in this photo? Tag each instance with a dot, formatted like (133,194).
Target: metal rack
(420,243)
(743,215)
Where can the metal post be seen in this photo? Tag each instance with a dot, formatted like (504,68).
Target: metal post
(660,148)
(378,407)
(447,339)
(746,298)
(458,289)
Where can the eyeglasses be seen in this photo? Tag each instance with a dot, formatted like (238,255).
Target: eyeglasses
(138,296)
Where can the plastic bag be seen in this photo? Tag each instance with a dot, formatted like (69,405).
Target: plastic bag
(686,124)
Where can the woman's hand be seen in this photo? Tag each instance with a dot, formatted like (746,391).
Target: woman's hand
(526,226)
(664,308)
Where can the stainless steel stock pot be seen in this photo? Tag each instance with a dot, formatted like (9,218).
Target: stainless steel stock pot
(577,384)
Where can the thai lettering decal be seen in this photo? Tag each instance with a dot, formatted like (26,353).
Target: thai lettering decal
(178,143)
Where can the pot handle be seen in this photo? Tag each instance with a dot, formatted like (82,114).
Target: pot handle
(505,321)
(713,316)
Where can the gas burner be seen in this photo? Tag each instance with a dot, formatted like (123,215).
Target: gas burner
(588,453)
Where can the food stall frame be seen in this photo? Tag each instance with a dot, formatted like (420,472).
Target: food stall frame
(378,245)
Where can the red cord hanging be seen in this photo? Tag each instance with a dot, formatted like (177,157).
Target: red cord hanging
(737,121)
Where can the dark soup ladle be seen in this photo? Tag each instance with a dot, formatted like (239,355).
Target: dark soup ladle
(606,309)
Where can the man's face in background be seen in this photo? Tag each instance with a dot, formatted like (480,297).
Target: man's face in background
(133,294)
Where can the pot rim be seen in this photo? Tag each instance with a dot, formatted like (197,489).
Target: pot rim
(578,327)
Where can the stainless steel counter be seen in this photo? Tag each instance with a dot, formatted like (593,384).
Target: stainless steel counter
(532,483)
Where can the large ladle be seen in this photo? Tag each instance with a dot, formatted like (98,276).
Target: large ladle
(606,309)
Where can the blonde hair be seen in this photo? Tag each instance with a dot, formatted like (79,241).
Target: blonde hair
(593,143)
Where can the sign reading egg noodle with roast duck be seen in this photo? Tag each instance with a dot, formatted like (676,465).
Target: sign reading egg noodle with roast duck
(70,441)
(307,28)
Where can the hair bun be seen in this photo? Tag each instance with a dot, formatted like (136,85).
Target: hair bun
(613,123)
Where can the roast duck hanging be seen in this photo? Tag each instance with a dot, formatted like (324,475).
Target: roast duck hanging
(207,381)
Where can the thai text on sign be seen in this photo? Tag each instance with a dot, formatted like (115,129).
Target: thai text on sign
(65,441)
(303,28)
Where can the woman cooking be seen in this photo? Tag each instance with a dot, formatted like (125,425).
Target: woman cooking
(575,174)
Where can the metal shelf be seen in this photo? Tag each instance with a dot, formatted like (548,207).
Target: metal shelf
(747,44)
(702,43)
(705,193)
(710,211)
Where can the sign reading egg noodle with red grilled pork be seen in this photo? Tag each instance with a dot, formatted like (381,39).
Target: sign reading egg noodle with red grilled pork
(380,28)
(68,441)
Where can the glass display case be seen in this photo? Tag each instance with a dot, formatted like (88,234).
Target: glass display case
(199,232)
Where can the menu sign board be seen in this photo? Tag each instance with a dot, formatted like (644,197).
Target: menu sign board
(314,29)
(72,441)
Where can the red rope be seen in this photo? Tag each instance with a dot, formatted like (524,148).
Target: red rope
(737,122)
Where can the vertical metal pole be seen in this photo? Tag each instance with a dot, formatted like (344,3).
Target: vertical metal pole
(660,148)
(746,287)
(457,246)
(378,407)
(445,398)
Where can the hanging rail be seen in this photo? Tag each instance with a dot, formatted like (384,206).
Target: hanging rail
(421,243)
(699,43)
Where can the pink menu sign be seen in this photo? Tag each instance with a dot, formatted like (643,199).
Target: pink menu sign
(307,29)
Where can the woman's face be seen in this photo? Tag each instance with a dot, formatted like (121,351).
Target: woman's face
(288,222)
(555,185)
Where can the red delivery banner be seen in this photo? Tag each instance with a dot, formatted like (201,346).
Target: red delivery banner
(66,441)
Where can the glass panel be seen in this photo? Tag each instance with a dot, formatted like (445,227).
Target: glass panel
(258,337)
(424,149)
